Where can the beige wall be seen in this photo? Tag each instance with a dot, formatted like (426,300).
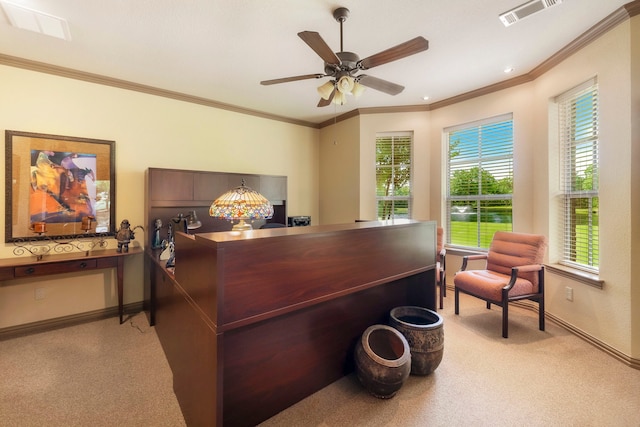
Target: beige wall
(635,185)
(340,173)
(602,313)
(144,127)
(610,315)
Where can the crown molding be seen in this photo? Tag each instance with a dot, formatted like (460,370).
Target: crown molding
(42,67)
(619,16)
(624,13)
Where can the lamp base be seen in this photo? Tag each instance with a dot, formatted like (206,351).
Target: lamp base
(242,226)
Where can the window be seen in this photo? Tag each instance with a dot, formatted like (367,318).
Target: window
(578,124)
(393,175)
(479,181)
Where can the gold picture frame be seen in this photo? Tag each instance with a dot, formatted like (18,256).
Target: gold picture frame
(58,186)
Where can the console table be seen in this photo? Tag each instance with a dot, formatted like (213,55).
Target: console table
(23,267)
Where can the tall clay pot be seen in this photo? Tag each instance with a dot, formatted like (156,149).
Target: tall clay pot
(383,360)
(423,329)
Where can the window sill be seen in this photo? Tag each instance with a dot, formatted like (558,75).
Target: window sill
(572,273)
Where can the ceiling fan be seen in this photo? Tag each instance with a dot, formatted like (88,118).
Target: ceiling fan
(343,67)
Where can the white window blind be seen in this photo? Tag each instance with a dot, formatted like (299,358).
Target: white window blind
(479,181)
(393,175)
(578,124)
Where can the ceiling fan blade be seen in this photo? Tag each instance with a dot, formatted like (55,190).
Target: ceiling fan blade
(400,51)
(324,102)
(319,46)
(379,84)
(291,79)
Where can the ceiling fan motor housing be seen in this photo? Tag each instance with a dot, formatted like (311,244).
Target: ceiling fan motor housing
(348,62)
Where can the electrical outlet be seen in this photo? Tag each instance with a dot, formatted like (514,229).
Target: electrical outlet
(39,293)
(568,293)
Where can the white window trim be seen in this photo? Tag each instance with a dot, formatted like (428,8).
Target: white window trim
(445,182)
(409,199)
(564,266)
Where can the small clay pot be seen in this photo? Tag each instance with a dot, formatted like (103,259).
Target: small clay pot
(383,360)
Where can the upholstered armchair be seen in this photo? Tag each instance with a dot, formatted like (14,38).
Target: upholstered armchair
(513,271)
(441,266)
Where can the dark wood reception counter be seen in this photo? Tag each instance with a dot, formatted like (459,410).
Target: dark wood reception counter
(252,322)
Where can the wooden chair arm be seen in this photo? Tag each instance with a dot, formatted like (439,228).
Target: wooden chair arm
(467,258)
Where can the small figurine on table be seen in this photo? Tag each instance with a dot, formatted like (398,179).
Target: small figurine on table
(124,235)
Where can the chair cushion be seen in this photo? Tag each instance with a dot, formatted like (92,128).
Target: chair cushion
(514,249)
(488,284)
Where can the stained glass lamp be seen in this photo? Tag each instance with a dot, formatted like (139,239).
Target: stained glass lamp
(240,204)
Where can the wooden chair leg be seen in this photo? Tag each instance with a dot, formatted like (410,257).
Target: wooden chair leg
(488,305)
(441,286)
(541,313)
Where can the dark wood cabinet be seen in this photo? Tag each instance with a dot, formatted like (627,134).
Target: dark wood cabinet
(170,192)
(170,185)
(208,186)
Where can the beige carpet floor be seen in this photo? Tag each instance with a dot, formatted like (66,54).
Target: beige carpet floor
(95,374)
(106,374)
(533,378)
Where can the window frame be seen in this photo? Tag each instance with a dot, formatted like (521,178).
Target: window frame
(394,198)
(569,145)
(483,234)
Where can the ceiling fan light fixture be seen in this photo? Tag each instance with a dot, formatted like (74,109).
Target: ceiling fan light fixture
(345,84)
(339,98)
(325,89)
(357,90)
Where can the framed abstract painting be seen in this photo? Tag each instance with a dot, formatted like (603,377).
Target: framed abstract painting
(58,186)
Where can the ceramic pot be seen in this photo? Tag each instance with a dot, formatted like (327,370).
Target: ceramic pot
(423,330)
(383,360)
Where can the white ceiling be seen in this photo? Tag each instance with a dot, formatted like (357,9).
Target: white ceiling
(221,49)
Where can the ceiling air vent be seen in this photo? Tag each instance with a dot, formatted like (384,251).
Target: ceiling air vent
(32,20)
(526,9)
